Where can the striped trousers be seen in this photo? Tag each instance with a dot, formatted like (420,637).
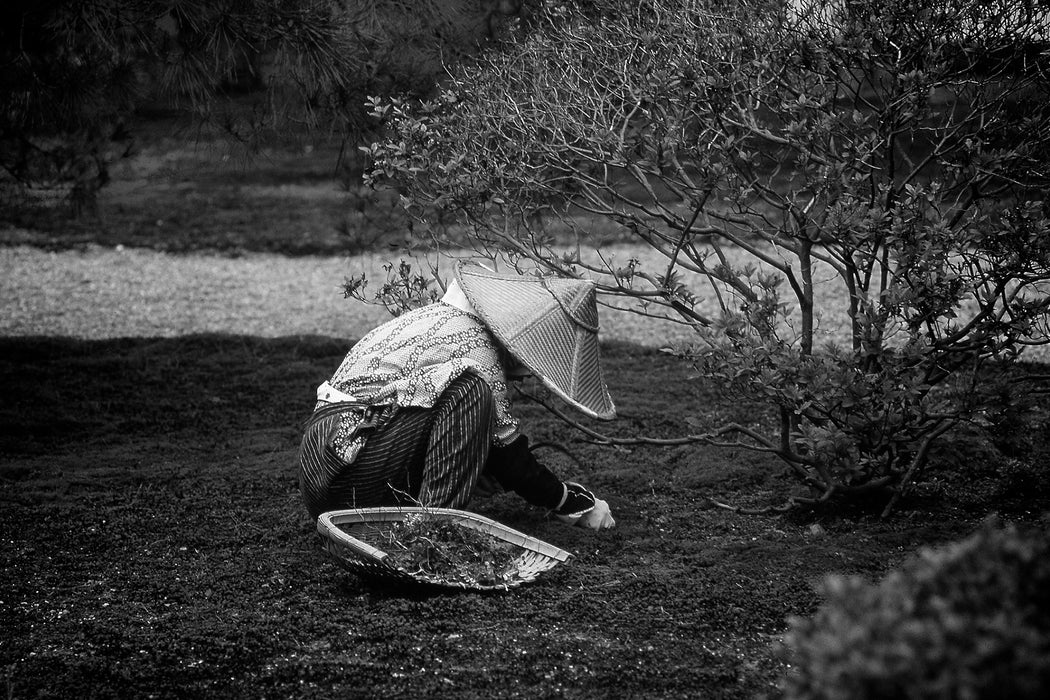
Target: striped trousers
(432,456)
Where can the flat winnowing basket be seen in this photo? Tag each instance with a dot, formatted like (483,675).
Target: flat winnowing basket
(357,538)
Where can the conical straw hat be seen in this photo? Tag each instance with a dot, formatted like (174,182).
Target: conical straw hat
(550,325)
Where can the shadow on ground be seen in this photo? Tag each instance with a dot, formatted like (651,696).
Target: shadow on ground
(154,543)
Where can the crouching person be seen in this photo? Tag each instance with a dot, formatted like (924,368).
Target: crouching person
(418,411)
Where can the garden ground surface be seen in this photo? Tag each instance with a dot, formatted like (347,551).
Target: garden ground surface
(154,544)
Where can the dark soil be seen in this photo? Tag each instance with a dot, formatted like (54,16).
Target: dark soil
(154,544)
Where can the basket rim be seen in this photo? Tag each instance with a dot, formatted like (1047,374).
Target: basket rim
(328,527)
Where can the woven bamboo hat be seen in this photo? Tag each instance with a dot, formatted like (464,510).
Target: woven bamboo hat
(550,325)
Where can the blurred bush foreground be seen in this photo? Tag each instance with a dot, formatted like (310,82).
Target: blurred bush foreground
(971,620)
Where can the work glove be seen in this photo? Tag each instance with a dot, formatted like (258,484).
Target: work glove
(580,507)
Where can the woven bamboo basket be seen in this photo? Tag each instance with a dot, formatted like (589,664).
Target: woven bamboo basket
(355,539)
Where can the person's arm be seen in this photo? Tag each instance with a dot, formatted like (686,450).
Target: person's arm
(516,469)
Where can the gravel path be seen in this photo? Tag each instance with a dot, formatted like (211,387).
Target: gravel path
(105,293)
(108,293)
(121,292)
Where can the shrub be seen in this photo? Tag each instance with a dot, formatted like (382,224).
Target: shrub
(764,152)
(971,620)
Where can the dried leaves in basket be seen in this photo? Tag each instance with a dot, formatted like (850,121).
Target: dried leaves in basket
(445,551)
